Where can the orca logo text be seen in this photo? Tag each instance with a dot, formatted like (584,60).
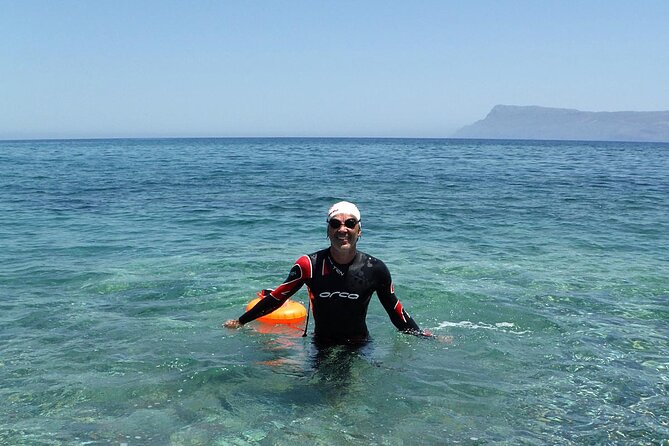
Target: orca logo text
(342,294)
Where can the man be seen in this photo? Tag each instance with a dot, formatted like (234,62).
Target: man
(341,281)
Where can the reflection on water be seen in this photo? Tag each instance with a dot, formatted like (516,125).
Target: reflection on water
(333,364)
(328,368)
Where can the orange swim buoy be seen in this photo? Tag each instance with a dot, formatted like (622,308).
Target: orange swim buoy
(290,312)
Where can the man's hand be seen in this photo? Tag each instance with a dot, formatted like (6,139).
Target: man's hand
(440,338)
(232,323)
(444,339)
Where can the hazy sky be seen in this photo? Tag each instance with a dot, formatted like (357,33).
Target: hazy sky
(422,68)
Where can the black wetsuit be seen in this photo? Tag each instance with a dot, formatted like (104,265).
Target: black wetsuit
(340,295)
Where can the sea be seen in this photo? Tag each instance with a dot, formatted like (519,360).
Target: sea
(542,266)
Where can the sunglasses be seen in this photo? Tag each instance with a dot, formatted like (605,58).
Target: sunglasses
(349,223)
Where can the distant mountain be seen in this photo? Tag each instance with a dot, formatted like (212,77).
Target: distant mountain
(533,122)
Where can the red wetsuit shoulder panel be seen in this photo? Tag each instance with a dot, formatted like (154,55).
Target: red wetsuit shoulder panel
(301,271)
(304,263)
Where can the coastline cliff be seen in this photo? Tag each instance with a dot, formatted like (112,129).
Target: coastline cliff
(534,122)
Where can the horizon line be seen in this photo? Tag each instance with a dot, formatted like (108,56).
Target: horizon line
(451,138)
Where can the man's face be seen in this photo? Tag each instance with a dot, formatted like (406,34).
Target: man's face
(344,237)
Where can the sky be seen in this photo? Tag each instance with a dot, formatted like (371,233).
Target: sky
(337,68)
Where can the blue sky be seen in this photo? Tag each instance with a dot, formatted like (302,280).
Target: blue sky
(97,68)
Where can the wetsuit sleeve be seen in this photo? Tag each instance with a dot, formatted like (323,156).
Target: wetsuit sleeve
(398,315)
(273,299)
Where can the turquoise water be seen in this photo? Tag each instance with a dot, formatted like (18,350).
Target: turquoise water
(547,262)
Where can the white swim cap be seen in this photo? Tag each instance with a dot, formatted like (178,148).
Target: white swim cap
(344,207)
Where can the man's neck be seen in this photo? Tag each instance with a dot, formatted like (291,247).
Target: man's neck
(343,257)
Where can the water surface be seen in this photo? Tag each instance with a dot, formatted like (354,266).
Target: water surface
(546,261)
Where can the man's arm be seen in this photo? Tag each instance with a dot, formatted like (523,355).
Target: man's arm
(273,299)
(398,315)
